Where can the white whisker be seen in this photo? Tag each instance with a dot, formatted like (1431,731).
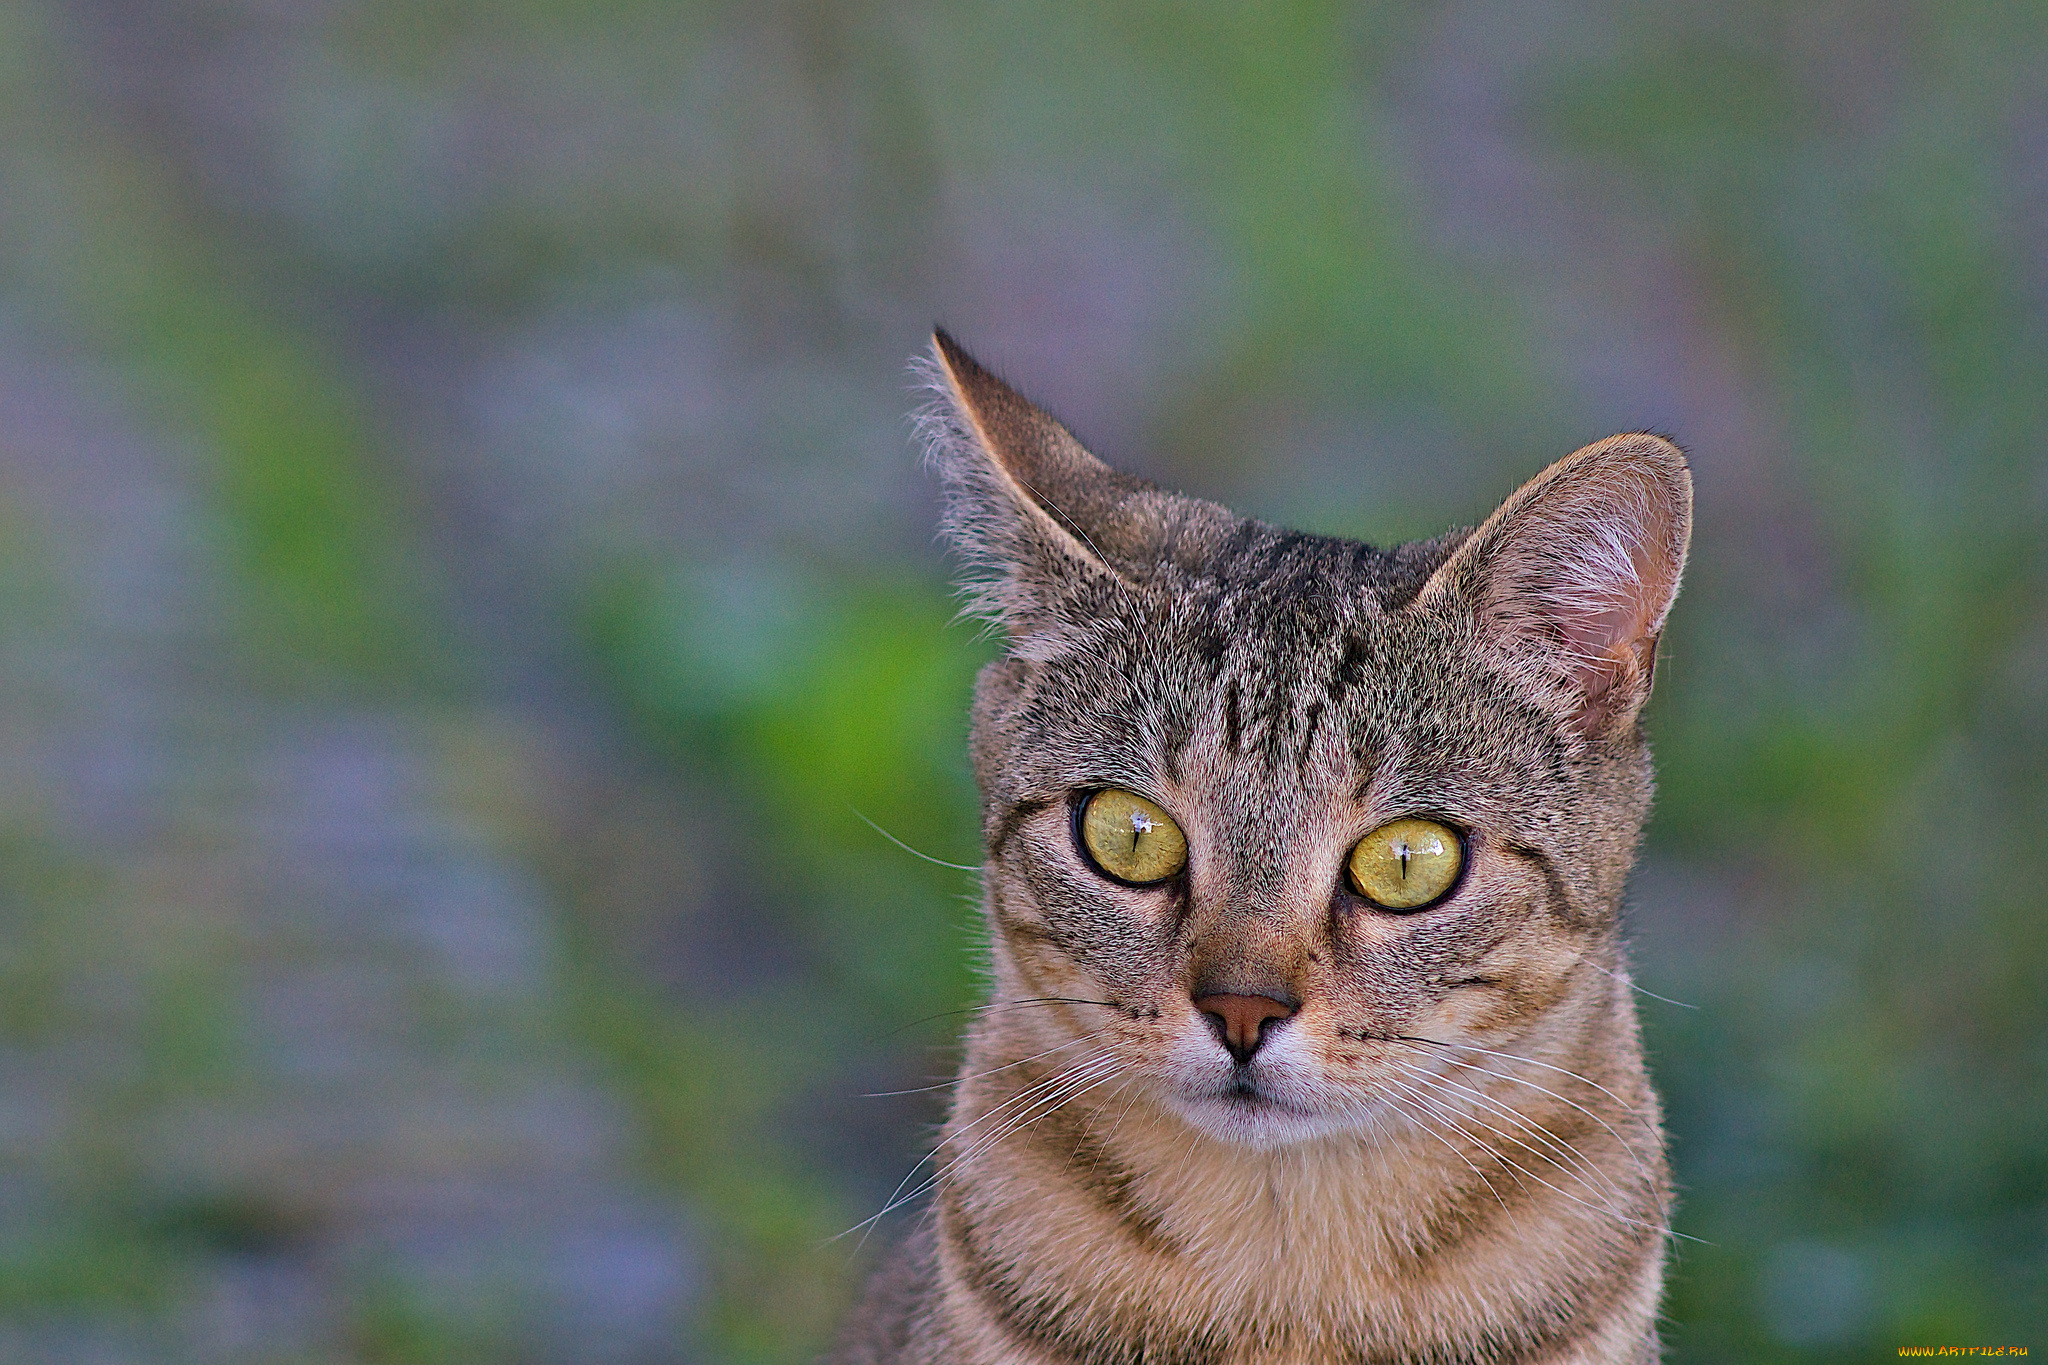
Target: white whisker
(1630,983)
(1626,1146)
(1419,1118)
(1026,1105)
(937,862)
(1574,1160)
(1515,1166)
(1648,1127)
(963,1079)
(896,1198)
(1090,1075)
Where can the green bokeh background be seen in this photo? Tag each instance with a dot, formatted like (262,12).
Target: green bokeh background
(466,589)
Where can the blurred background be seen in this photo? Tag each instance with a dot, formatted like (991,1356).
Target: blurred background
(465,580)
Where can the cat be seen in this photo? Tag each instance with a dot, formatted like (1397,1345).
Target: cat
(1310,1037)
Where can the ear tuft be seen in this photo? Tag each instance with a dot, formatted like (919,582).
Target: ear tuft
(1573,577)
(1045,527)
(995,455)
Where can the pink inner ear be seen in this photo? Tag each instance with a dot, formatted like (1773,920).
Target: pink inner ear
(1588,570)
(1606,592)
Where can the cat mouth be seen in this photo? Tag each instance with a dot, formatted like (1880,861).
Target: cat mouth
(1242,1089)
(1243,1111)
(1242,1093)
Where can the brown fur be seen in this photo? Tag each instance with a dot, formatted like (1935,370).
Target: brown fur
(1450,1151)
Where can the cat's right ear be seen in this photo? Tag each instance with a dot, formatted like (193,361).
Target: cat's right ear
(1040,521)
(1571,580)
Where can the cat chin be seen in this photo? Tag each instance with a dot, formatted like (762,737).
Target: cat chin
(1260,1121)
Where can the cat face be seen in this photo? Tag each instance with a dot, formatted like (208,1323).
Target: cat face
(1268,814)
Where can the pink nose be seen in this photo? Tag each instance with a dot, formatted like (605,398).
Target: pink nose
(1240,1020)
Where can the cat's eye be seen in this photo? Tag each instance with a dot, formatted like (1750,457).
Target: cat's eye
(1406,864)
(1130,839)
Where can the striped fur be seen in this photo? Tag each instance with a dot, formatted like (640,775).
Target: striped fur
(1451,1151)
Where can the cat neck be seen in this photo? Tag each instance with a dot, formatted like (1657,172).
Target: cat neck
(1423,1209)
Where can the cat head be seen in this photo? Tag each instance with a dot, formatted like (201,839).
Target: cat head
(1258,803)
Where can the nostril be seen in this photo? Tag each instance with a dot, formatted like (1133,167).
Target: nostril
(1240,1020)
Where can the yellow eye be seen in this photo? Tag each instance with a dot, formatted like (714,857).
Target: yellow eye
(1131,839)
(1406,864)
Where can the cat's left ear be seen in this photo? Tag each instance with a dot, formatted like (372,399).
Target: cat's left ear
(1573,577)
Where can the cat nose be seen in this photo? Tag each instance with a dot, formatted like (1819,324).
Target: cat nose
(1240,1020)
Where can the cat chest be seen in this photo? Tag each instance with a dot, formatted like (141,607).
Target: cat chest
(1079,1280)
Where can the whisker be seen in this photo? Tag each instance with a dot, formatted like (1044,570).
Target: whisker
(994,1006)
(1048,1083)
(1419,1119)
(1630,983)
(1088,1133)
(941,862)
(1046,1106)
(1020,1097)
(1445,1116)
(1580,1164)
(1028,1113)
(1530,1061)
(1385,1136)
(1557,1143)
(1116,1127)
(958,1080)
(1515,1166)
(1091,1074)
(1023,1097)
(1626,1146)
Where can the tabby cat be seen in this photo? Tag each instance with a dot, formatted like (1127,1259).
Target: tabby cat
(1310,1036)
